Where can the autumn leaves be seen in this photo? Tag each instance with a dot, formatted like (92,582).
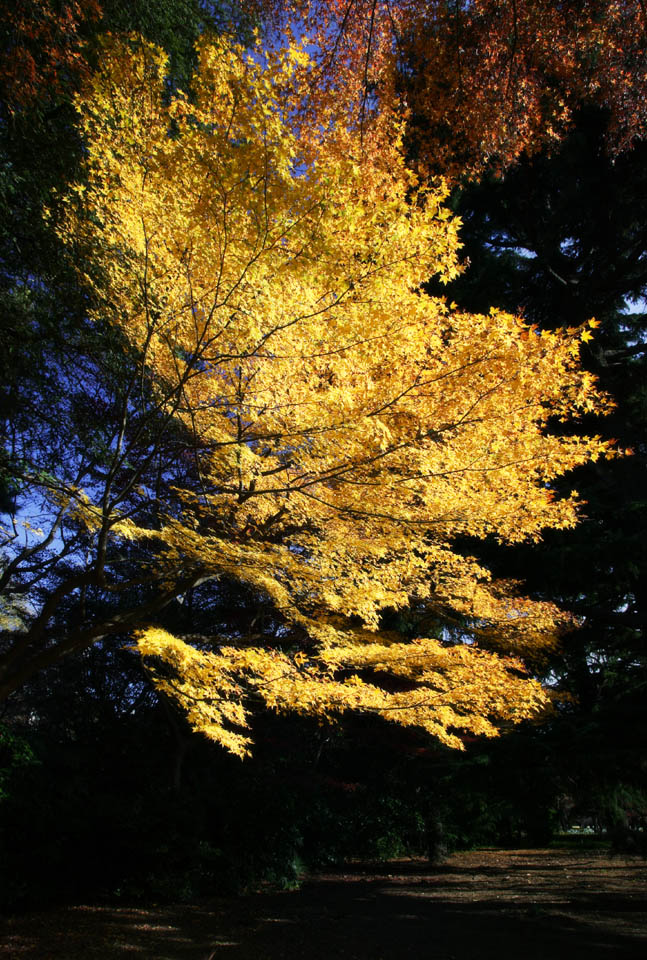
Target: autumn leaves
(344,428)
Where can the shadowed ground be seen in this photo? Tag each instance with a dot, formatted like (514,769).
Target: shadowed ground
(481,905)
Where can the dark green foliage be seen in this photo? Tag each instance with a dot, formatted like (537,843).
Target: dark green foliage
(16,754)
(174,25)
(40,149)
(120,799)
(562,239)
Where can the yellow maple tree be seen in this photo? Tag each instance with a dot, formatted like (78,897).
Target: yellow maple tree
(346,427)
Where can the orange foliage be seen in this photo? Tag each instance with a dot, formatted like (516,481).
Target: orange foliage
(41,47)
(482,81)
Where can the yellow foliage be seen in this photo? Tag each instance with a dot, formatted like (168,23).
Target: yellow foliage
(451,688)
(346,426)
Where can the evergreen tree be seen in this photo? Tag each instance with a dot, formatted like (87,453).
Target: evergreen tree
(561,238)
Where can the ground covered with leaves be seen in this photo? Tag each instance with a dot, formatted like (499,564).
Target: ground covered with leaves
(480,904)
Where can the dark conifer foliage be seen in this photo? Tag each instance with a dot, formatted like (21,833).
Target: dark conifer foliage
(562,239)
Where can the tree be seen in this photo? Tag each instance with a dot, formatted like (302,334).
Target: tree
(483,81)
(291,411)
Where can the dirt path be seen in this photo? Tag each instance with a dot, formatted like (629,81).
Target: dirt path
(482,905)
